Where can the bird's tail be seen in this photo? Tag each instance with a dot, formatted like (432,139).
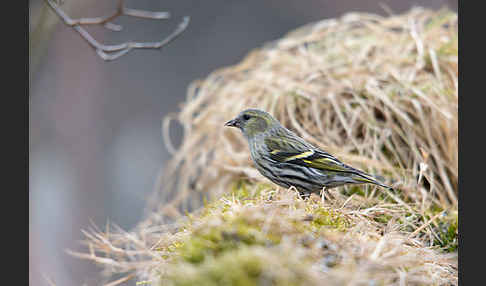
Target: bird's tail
(365,178)
(383,185)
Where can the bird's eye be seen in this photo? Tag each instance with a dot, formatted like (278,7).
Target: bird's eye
(246,116)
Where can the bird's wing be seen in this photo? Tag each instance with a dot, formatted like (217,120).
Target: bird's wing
(293,151)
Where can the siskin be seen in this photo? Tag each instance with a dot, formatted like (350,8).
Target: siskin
(288,160)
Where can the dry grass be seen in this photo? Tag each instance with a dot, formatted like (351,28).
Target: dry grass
(380,93)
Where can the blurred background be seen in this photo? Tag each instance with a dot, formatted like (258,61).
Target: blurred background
(95,145)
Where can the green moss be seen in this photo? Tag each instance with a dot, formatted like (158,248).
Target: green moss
(447,230)
(328,218)
(240,189)
(233,268)
(242,267)
(230,235)
(234,250)
(243,189)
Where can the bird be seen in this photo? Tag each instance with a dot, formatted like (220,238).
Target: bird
(288,160)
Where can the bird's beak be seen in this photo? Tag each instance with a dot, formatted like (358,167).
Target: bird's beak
(232,123)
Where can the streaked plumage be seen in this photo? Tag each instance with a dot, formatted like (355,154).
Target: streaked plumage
(288,160)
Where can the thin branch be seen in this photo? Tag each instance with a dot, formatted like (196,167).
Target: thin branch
(111,52)
(121,280)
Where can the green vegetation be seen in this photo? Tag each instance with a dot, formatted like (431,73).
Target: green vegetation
(244,266)
(227,236)
(447,229)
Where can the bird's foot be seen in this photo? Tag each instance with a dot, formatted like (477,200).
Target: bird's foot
(325,192)
(323,195)
(304,195)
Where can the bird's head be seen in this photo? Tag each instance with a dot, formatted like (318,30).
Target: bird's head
(252,122)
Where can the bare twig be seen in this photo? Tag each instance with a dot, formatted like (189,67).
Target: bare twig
(121,280)
(111,52)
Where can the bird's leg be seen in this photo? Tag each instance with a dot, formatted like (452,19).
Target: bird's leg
(323,195)
(304,195)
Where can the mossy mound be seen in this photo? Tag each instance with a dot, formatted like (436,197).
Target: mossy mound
(276,238)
